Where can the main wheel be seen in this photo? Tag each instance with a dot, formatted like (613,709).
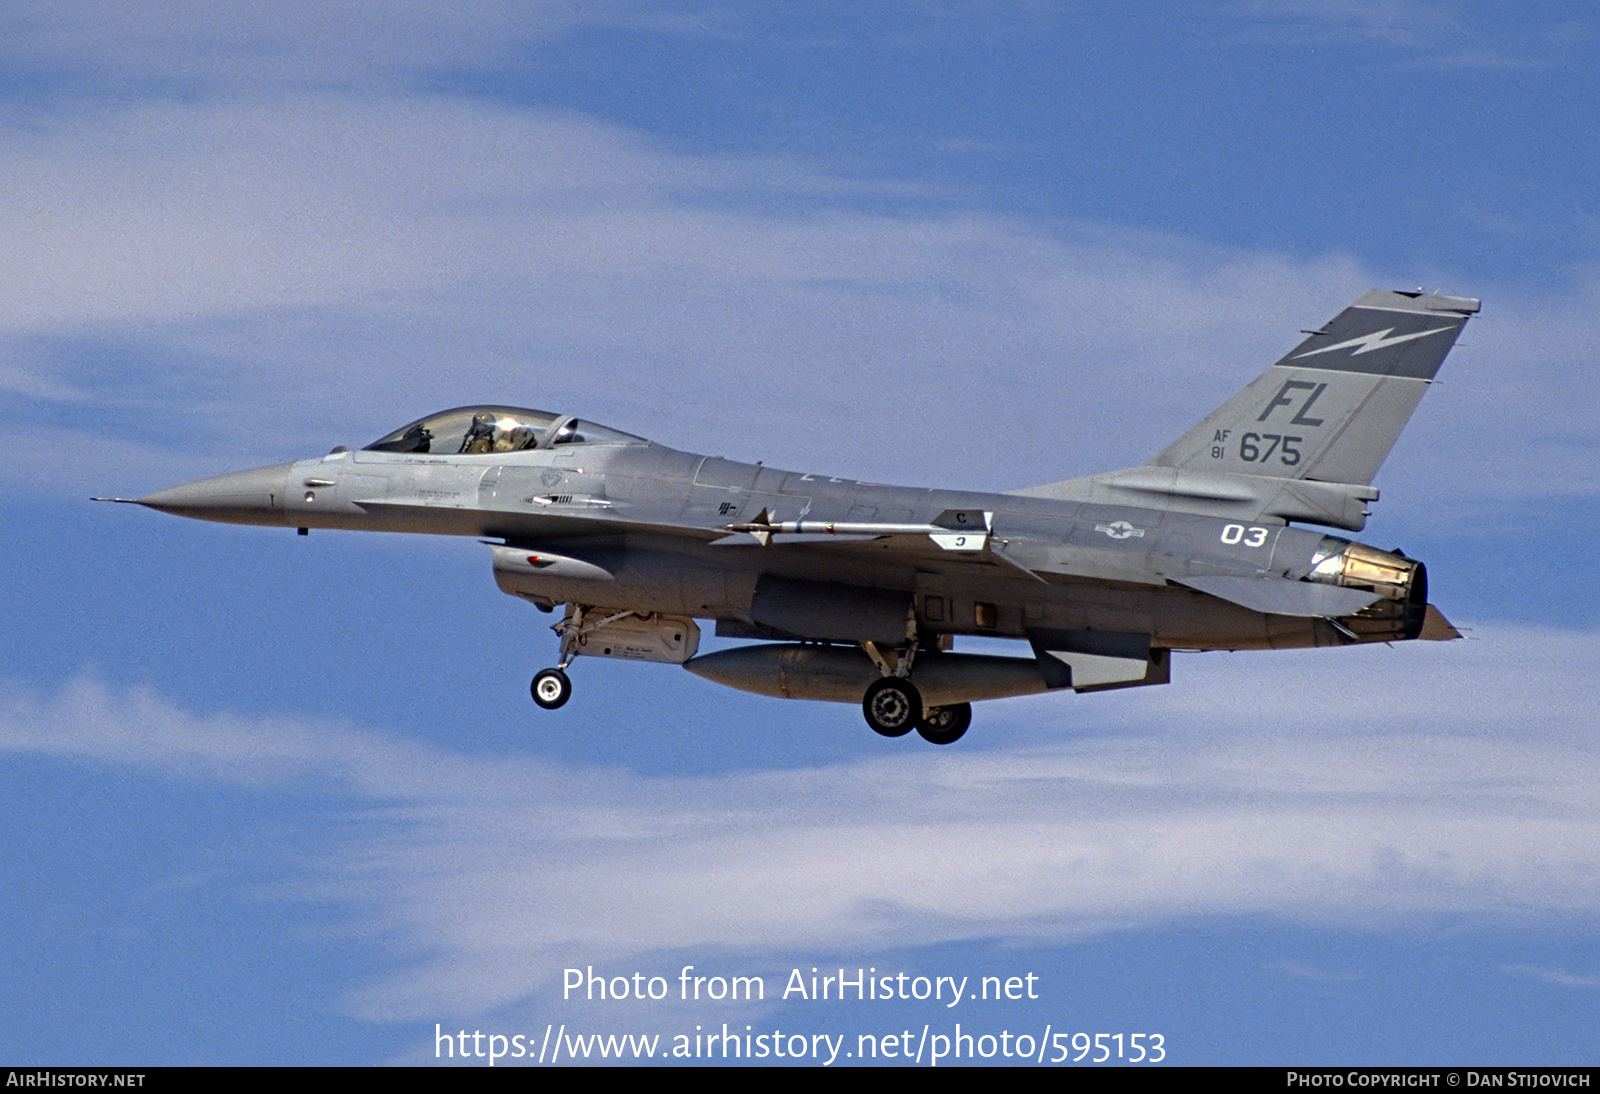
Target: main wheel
(892,706)
(551,688)
(945,725)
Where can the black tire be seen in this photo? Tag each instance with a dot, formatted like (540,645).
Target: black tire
(892,706)
(551,688)
(945,725)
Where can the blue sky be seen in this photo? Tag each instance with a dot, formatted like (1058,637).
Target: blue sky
(286,800)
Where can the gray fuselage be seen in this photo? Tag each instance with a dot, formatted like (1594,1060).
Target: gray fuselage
(652,523)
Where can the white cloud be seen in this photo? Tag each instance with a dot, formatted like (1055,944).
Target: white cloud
(302,43)
(329,258)
(332,261)
(1555,976)
(1443,35)
(1362,791)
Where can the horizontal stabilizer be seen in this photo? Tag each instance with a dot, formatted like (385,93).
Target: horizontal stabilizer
(1436,628)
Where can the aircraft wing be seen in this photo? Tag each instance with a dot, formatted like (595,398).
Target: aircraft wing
(935,549)
(955,539)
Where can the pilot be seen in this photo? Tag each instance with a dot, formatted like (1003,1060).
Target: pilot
(480,434)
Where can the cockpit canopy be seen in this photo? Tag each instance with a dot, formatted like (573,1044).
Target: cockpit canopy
(471,430)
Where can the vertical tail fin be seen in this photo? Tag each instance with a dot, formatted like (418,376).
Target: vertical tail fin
(1304,439)
(1332,408)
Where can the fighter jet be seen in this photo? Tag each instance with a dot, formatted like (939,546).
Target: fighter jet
(856,592)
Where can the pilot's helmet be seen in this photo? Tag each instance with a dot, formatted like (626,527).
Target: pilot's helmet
(480,434)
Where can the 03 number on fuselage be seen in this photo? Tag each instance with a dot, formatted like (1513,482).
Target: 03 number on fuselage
(1252,536)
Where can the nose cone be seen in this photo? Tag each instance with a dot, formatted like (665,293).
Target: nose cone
(245,497)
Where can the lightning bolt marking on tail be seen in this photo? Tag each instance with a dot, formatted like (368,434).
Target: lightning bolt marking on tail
(1374,341)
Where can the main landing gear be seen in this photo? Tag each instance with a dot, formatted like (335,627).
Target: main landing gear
(893,706)
(945,725)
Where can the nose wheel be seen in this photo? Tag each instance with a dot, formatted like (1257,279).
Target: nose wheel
(551,688)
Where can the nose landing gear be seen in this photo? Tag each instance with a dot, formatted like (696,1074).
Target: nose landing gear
(627,634)
(551,688)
